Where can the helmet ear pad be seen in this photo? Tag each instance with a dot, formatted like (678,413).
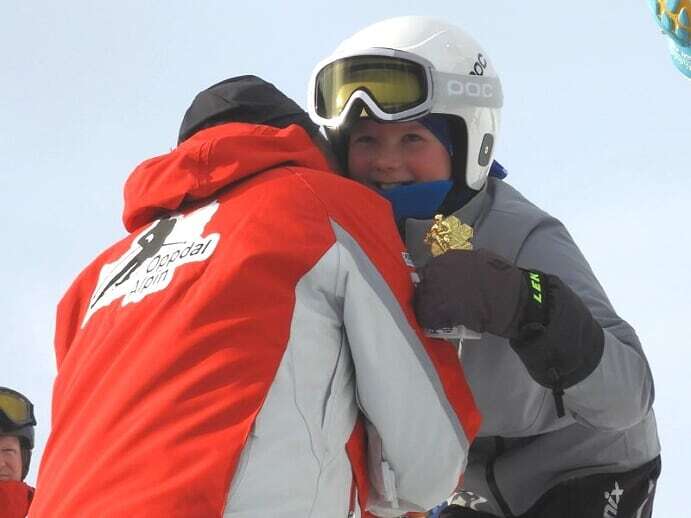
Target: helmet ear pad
(461,193)
(26,460)
(459,138)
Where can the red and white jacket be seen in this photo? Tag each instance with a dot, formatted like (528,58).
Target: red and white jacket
(216,360)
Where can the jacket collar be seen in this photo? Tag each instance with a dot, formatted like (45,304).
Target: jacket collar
(208,162)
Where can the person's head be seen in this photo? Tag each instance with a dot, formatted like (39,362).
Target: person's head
(404,69)
(247,99)
(17,423)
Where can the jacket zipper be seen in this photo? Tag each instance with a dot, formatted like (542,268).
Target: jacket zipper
(492,481)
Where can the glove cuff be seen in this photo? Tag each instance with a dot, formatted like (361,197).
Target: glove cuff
(558,339)
(533,313)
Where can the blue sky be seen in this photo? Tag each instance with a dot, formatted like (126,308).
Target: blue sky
(596,130)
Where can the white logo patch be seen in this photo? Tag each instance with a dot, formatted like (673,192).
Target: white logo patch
(150,263)
(467,499)
(612,497)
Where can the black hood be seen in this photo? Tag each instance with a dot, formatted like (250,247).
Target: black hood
(247,99)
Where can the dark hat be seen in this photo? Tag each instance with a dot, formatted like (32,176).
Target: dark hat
(243,99)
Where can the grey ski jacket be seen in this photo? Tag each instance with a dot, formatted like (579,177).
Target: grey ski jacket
(523,448)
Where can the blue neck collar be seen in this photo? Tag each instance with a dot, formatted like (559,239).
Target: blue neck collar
(424,200)
(417,200)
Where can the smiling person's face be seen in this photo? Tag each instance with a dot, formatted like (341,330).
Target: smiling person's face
(386,155)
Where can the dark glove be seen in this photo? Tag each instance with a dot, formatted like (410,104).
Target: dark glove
(547,324)
(477,289)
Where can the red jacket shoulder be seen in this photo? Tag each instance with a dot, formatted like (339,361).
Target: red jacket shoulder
(342,195)
(15,498)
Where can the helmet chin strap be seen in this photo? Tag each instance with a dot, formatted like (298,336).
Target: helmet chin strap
(417,200)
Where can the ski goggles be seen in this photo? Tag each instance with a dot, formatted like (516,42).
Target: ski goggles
(393,85)
(15,408)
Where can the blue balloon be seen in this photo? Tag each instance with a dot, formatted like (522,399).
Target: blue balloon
(673,18)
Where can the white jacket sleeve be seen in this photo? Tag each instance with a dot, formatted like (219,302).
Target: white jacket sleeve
(408,389)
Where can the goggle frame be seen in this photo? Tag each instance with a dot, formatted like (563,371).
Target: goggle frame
(472,90)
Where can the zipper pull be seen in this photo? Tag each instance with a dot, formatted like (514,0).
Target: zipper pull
(557,392)
(559,401)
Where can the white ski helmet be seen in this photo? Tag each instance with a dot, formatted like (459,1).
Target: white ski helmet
(405,68)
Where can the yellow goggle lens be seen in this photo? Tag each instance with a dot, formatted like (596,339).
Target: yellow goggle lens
(393,84)
(15,408)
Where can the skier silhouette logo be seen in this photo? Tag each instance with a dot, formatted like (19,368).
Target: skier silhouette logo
(153,256)
(467,499)
(151,242)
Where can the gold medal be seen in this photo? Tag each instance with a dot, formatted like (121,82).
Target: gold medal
(448,234)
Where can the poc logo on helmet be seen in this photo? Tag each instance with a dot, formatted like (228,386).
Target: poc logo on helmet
(479,66)
(469,88)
